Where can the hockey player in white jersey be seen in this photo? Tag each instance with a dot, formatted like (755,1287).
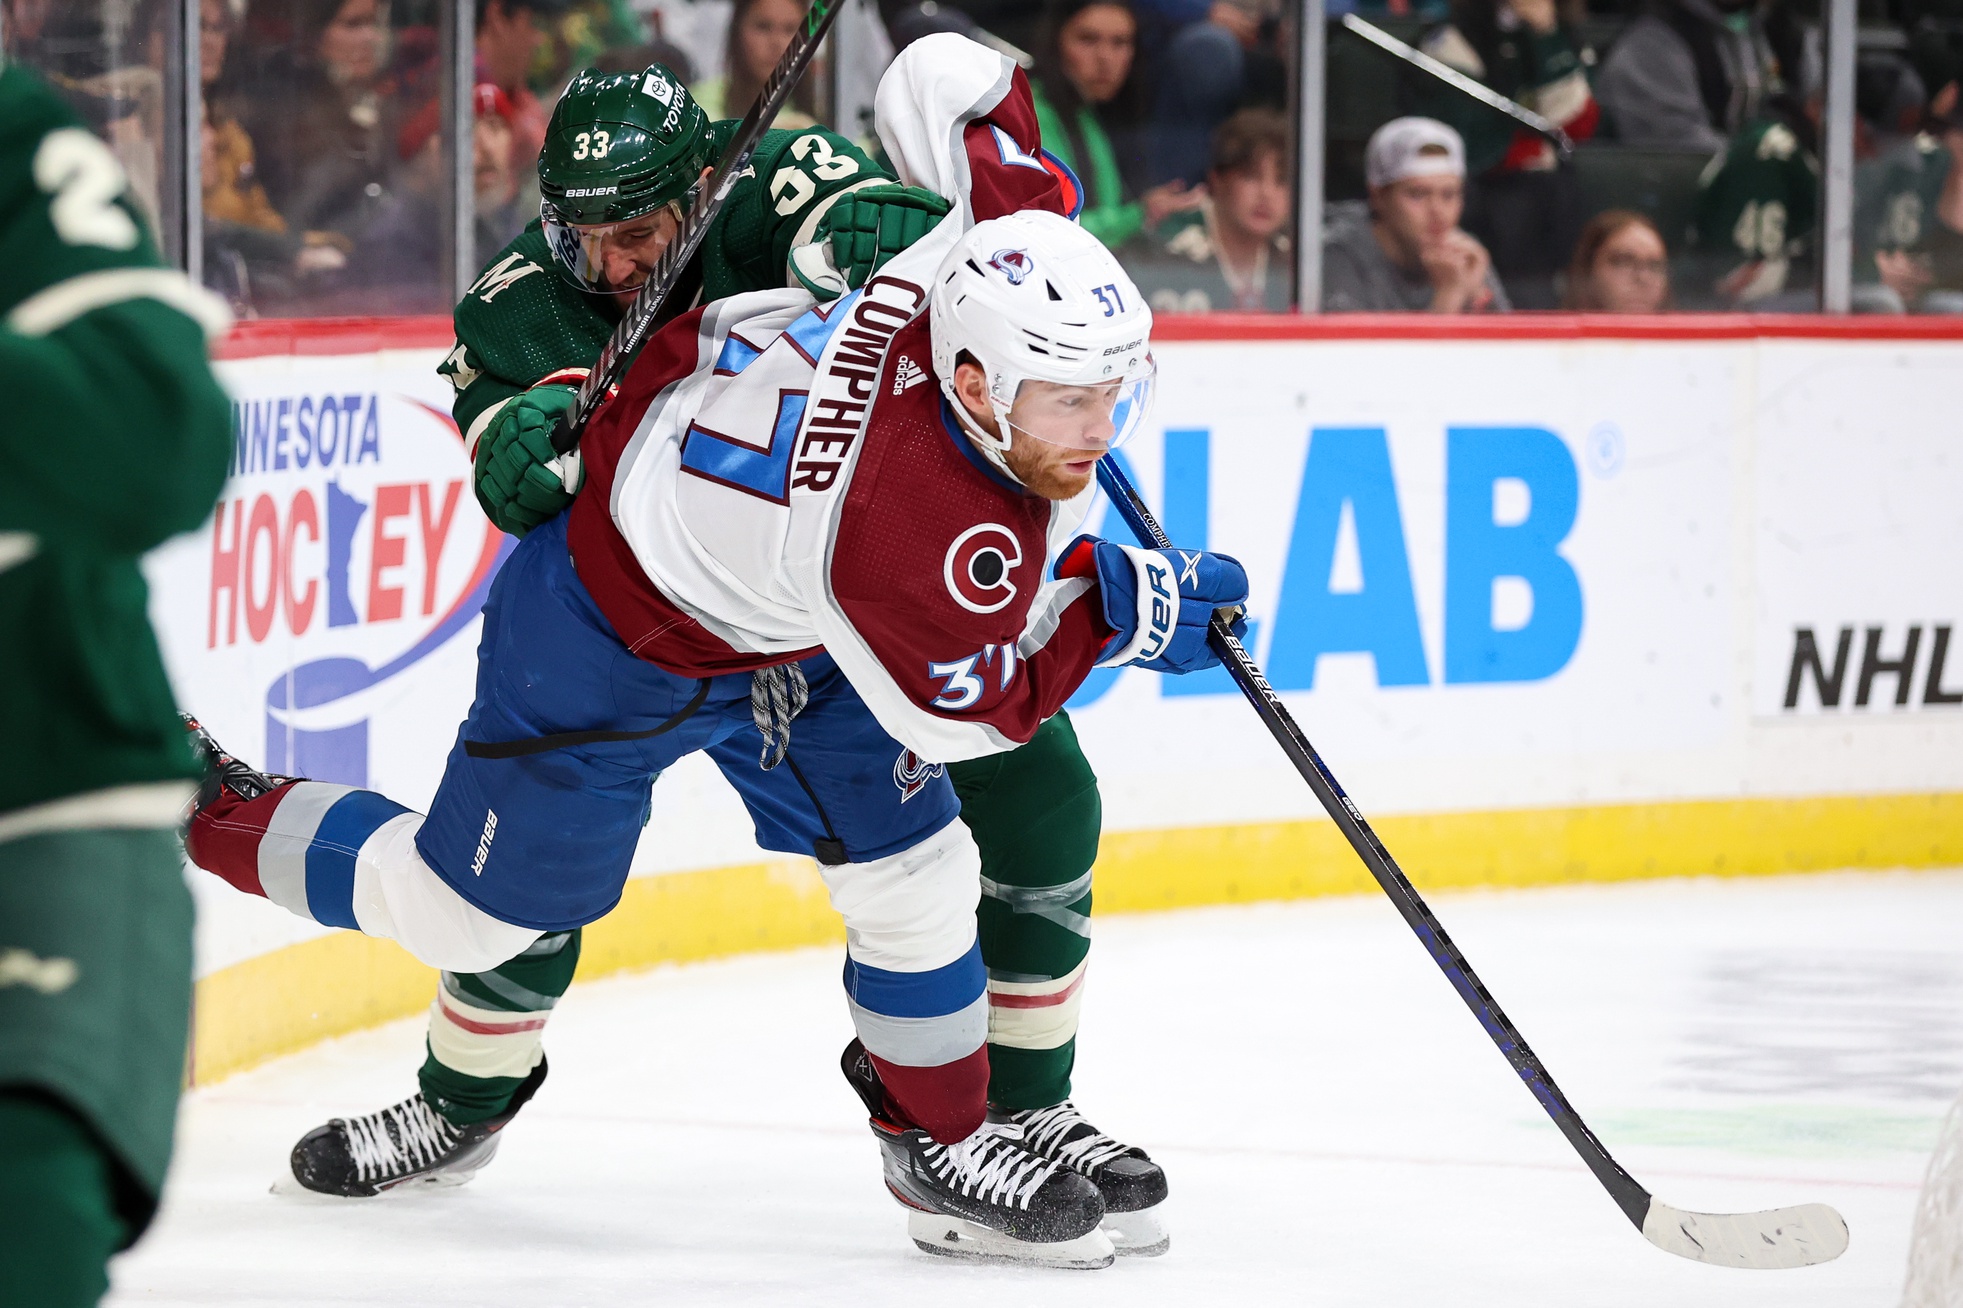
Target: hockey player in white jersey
(827,525)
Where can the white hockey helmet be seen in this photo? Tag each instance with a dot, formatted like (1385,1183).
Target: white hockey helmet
(1034,297)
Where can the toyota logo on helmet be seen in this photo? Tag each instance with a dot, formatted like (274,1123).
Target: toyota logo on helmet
(1013,264)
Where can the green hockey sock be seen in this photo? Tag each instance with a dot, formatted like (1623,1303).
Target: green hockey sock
(486,1029)
(1035,815)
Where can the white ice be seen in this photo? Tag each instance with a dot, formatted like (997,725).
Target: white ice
(1336,1128)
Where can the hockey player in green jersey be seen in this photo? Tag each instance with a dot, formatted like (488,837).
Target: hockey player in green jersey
(116,437)
(621,156)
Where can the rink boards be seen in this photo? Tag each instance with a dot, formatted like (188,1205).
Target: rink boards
(1555,605)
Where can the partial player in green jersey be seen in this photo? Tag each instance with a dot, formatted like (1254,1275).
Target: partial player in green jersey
(623,156)
(620,159)
(116,437)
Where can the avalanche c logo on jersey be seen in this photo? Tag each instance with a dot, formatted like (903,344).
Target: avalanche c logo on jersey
(1013,264)
(978,565)
(911,774)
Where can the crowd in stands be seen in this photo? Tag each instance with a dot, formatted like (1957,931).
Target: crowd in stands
(1694,181)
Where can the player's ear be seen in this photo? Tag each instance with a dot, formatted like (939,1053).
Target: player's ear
(971,385)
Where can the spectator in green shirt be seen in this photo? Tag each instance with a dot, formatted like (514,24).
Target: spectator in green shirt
(1232,253)
(1083,84)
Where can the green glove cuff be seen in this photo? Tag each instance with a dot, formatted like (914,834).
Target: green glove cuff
(518,479)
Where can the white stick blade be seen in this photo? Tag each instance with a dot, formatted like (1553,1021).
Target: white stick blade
(1779,1237)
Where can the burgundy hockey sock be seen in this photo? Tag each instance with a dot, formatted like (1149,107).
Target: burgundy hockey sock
(225,834)
(947,1102)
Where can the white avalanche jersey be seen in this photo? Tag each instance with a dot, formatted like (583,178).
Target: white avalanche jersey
(777,477)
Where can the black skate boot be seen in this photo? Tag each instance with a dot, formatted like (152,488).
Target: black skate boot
(222,772)
(986,1198)
(408,1144)
(1133,1186)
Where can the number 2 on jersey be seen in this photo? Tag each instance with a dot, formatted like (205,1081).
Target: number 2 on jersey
(84,179)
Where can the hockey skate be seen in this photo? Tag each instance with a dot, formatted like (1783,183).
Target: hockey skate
(406,1144)
(986,1198)
(223,772)
(1133,1186)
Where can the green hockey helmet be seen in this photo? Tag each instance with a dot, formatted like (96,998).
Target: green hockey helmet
(620,146)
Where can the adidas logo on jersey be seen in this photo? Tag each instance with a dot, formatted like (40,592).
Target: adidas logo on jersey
(908,375)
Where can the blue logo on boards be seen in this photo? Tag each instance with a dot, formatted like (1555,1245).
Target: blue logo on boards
(1347,476)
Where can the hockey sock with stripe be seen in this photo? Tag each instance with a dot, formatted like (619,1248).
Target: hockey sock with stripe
(1035,816)
(925,1033)
(296,845)
(486,1029)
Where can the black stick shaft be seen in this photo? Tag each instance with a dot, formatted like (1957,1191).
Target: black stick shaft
(1628,1195)
(632,330)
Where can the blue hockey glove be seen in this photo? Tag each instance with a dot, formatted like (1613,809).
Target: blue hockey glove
(1159,602)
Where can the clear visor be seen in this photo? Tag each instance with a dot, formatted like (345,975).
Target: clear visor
(610,257)
(1089,418)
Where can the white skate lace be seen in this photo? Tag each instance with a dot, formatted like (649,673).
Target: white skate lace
(1049,1133)
(400,1139)
(991,1165)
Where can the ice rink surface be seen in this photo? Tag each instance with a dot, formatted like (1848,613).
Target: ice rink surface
(1336,1128)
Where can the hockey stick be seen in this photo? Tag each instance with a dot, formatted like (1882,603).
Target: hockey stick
(1781,1237)
(633,328)
(1459,82)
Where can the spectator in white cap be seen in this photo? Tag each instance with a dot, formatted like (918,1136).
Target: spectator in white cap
(1408,252)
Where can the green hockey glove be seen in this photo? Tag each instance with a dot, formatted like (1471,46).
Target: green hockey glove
(520,481)
(869,226)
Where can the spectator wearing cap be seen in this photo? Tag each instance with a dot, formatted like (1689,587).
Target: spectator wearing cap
(1232,252)
(1409,253)
(1085,90)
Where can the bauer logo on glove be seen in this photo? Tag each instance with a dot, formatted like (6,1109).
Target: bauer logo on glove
(1158,603)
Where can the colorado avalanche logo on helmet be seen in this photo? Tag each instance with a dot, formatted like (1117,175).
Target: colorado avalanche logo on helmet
(911,774)
(1013,264)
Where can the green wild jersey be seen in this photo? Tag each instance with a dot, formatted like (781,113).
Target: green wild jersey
(1895,196)
(116,437)
(1759,198)
(521,320)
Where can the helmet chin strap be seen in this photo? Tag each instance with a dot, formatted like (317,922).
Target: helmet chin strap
(993,448)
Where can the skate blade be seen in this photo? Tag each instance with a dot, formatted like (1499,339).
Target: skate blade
(287,1186)
(950,1237)
(1140,1234)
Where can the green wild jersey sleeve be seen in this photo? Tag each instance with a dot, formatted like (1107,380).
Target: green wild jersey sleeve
(519,322)
(795,176)
(117,435)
